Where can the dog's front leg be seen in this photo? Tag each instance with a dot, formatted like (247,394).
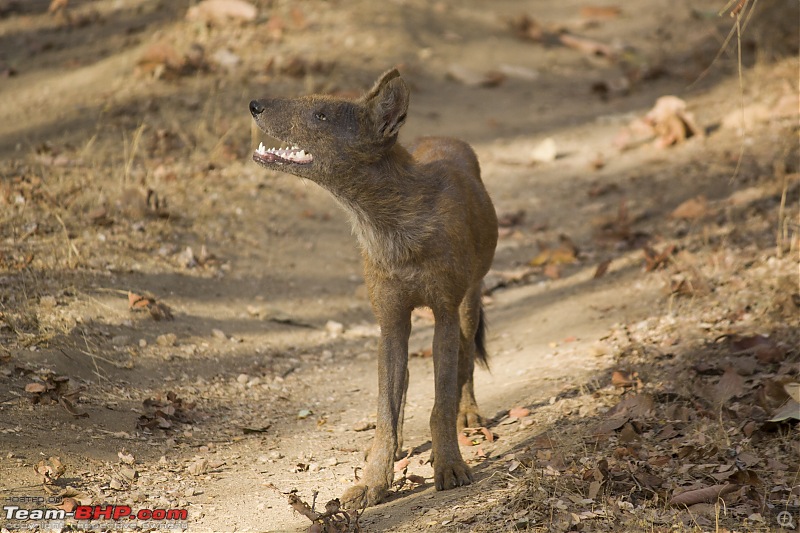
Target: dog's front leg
(392,375)
(449,469)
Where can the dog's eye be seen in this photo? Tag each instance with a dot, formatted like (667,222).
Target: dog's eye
(320,116)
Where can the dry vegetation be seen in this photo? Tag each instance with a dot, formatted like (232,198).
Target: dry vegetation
(179,329)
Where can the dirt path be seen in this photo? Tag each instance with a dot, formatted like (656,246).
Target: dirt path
(269,360)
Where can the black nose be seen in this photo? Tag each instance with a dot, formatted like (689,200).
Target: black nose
(256,107)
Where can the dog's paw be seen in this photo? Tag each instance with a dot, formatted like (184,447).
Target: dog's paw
(360,496)
(469,418)
(448,475)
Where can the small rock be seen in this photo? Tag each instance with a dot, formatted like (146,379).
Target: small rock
(331,461)
(363,331)
(242,378)
(314,467)
(120,340)
(128,473)
(545,152)
(255,311)
(364,425)
(222,11)
(226,59)
(142,343)
(334,328)
(167,339)
(115,484)
(472,78)
(219,334)
(199,467)
(126,458)
(187,258)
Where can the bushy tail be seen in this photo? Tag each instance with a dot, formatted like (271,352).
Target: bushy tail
(480,340)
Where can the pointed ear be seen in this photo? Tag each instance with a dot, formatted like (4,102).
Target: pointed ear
(388,103)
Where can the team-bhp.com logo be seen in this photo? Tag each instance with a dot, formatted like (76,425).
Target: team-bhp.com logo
(95,512)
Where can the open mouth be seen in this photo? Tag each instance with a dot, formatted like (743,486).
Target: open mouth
(282,156)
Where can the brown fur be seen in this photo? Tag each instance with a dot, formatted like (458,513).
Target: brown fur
(427,231)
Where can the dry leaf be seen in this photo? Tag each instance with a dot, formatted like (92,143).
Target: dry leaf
(526,28)
(671,122)
(463,440)
(299,18)
(628,433)
(704,495)
(161,53)
(691,209)
(57,5)
(565,253)
(100,217)
(765,349)
(136,301)
(792,389)
(158,311)
(610,425)
(518,412)
(552,271)
(509,220)
(68,504)
(126,458)
(634,406)
(600,12)
(624,379)
(220,11)
(790,411)
(401,465)
(471,78)
(650,481)
(654,259)
(503,278)
(594,489)
(730,385)
(50,470)
(602,268)
(586,45)
(772,395)
(35,388)
(66,404)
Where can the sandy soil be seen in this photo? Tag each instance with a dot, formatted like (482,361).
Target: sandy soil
(125,142)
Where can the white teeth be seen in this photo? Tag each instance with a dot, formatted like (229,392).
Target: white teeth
(291,153)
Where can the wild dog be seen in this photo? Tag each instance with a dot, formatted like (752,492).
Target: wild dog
(427,231)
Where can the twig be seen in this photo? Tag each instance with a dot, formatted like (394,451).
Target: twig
(779,238)
(134,146)
(71,246)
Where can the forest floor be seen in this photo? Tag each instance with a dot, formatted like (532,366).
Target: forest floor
(181,329)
